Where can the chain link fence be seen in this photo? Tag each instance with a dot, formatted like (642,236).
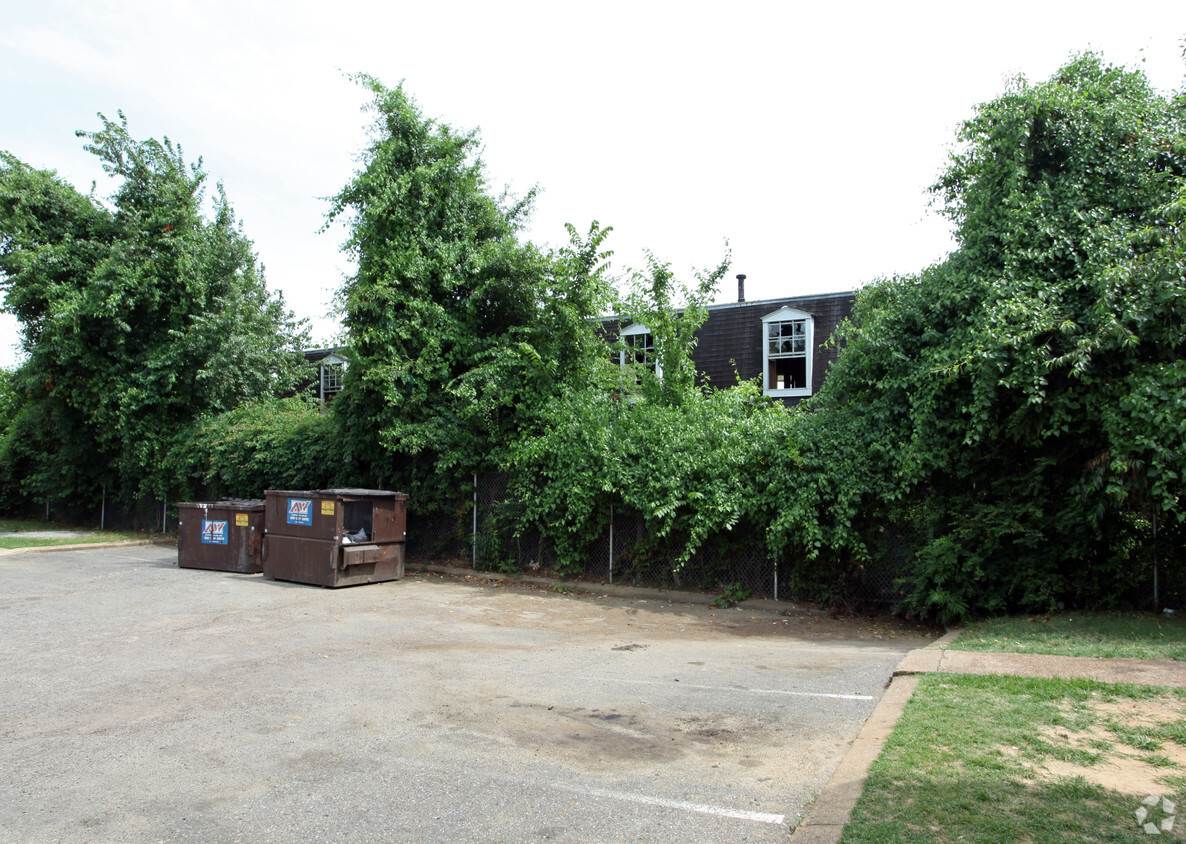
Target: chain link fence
(480,532)
(440,536)
(141,513)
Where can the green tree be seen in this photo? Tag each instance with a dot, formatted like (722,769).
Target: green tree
(459,331)
(136,317)
(1013,401)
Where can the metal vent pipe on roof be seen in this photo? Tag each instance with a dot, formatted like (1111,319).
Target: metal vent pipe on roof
(741,287)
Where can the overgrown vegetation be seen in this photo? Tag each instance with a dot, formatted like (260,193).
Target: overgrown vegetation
(459,331)
(732,595)
(137,316)
(689,471)
(1013,412)
(1019,403)
(278,444)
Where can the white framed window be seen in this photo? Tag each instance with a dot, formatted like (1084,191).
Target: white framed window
(788,343)
(330,371)
(638,348)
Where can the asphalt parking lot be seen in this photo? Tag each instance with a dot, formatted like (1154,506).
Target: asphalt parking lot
(142,702)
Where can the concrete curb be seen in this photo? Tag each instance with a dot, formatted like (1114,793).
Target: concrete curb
(832,809)
(83,546)
(928,659)
(825,820)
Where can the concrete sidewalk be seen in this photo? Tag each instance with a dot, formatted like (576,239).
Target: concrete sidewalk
(824,824)
(939,658)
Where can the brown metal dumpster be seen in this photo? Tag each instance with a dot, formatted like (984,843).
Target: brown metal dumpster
(335,537)
(224,535)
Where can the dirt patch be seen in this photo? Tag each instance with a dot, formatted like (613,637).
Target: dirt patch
(1121,767)
(672,613)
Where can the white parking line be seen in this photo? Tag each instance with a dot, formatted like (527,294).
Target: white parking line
(737,689)
(680,805)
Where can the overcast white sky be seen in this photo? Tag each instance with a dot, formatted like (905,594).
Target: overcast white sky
(805,135)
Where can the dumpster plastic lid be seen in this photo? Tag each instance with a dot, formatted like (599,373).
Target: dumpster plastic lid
(371,493)
(368,492)
(237,503)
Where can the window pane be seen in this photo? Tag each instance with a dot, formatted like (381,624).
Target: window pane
(787,374)
(640,349)
(331,378)
(788,339)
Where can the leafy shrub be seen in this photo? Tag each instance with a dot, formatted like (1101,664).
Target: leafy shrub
(732,595)
(279,444)
(691,470)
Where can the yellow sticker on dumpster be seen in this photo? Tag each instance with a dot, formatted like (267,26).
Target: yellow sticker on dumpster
(327,508)
(240,520)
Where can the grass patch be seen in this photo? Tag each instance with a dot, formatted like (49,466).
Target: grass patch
(1177,783)
(1138,737)
(1135,635)
(88,539)
(991,759)
(1159,760)
(13,525)
(13,534)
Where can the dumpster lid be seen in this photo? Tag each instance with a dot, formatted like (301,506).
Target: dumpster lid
(236,503)
(375,493)
(330,493)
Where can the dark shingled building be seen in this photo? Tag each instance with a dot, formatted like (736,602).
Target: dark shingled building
(781,341)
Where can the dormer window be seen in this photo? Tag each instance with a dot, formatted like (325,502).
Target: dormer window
(639,348)
(788,343)
(330,371)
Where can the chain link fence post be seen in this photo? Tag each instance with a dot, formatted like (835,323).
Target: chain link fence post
(611,543)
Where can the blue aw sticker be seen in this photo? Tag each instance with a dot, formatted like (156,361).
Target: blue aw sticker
(214,532)
(300,511)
